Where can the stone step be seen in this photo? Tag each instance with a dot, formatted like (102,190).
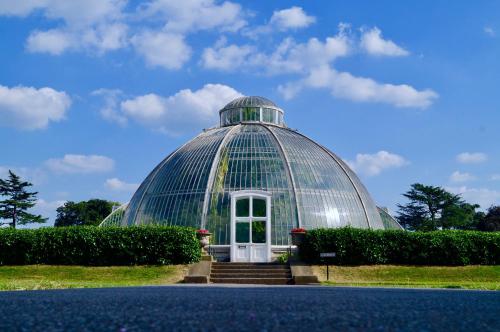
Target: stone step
(260,281)
(251,267)
(243,271)
(247,264)
(257,274)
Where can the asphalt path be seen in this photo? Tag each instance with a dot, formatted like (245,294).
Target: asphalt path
(231,308)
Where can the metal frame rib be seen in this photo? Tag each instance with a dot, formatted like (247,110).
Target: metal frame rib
(211,176)
(287,161)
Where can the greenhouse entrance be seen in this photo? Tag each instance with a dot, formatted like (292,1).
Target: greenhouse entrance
(250,226)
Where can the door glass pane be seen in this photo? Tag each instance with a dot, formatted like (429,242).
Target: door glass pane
(258,232)
(259,207)
(243,207)
(242,232)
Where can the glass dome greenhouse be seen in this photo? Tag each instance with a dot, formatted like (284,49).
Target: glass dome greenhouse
(252,151)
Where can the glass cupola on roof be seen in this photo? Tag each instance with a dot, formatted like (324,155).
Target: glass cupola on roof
(252,151)
(251,109)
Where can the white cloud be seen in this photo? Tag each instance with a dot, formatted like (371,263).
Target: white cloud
(291,18)
(90,25)
(31,108)
(458,176)
(182,111)
(99,26)
(195,15)
(223,57)
(20,8)
(489,31)
(109,111)
(483,196)
(106,37)
(147,109)
(74,12)
(374,164)
(116,184)
(100,39)
(291,57)
(288,57)
(162,49)
(495,177)
(83,164)
(373,43)
(53,41)
(313,60)
(361,89)
(471,157)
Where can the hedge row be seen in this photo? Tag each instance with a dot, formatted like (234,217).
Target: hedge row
(99,246)
(360,247)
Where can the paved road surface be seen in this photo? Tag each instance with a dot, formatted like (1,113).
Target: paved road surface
(227,308)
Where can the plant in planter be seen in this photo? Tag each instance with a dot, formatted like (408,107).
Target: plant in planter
(298,235)
(204,238)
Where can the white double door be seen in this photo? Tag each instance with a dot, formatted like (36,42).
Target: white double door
(250,226)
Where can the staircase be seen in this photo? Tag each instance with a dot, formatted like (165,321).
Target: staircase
(251,273)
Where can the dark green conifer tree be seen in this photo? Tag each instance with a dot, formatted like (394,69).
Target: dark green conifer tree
(17,201)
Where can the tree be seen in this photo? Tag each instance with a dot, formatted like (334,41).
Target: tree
(461,216)
(84,213)
(17,202)
(491,221)
(431,208)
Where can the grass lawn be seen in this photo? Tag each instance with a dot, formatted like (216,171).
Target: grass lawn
(50,276)
(470,277)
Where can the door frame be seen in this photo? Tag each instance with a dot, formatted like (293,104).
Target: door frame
(243,194)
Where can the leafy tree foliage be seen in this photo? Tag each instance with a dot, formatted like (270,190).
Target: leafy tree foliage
(491,221)
(17,202)
(431,208)
(84,213)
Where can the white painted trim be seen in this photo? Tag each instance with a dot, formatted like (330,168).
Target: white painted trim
(250,194)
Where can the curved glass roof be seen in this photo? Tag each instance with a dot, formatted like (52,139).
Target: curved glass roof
(389,221)
(250,101)
(310,186)
(115,217)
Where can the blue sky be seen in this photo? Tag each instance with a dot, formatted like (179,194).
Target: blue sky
(94,93)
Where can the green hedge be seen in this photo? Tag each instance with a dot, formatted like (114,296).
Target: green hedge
(99,246)
(360,247)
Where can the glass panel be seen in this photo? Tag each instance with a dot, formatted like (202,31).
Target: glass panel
(267,115)
(243,207)
(235,115)
(242,232)
(259,207)
(251,114)
(258,231)
(324,190)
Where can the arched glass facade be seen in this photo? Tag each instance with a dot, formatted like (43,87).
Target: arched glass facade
(310,186)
